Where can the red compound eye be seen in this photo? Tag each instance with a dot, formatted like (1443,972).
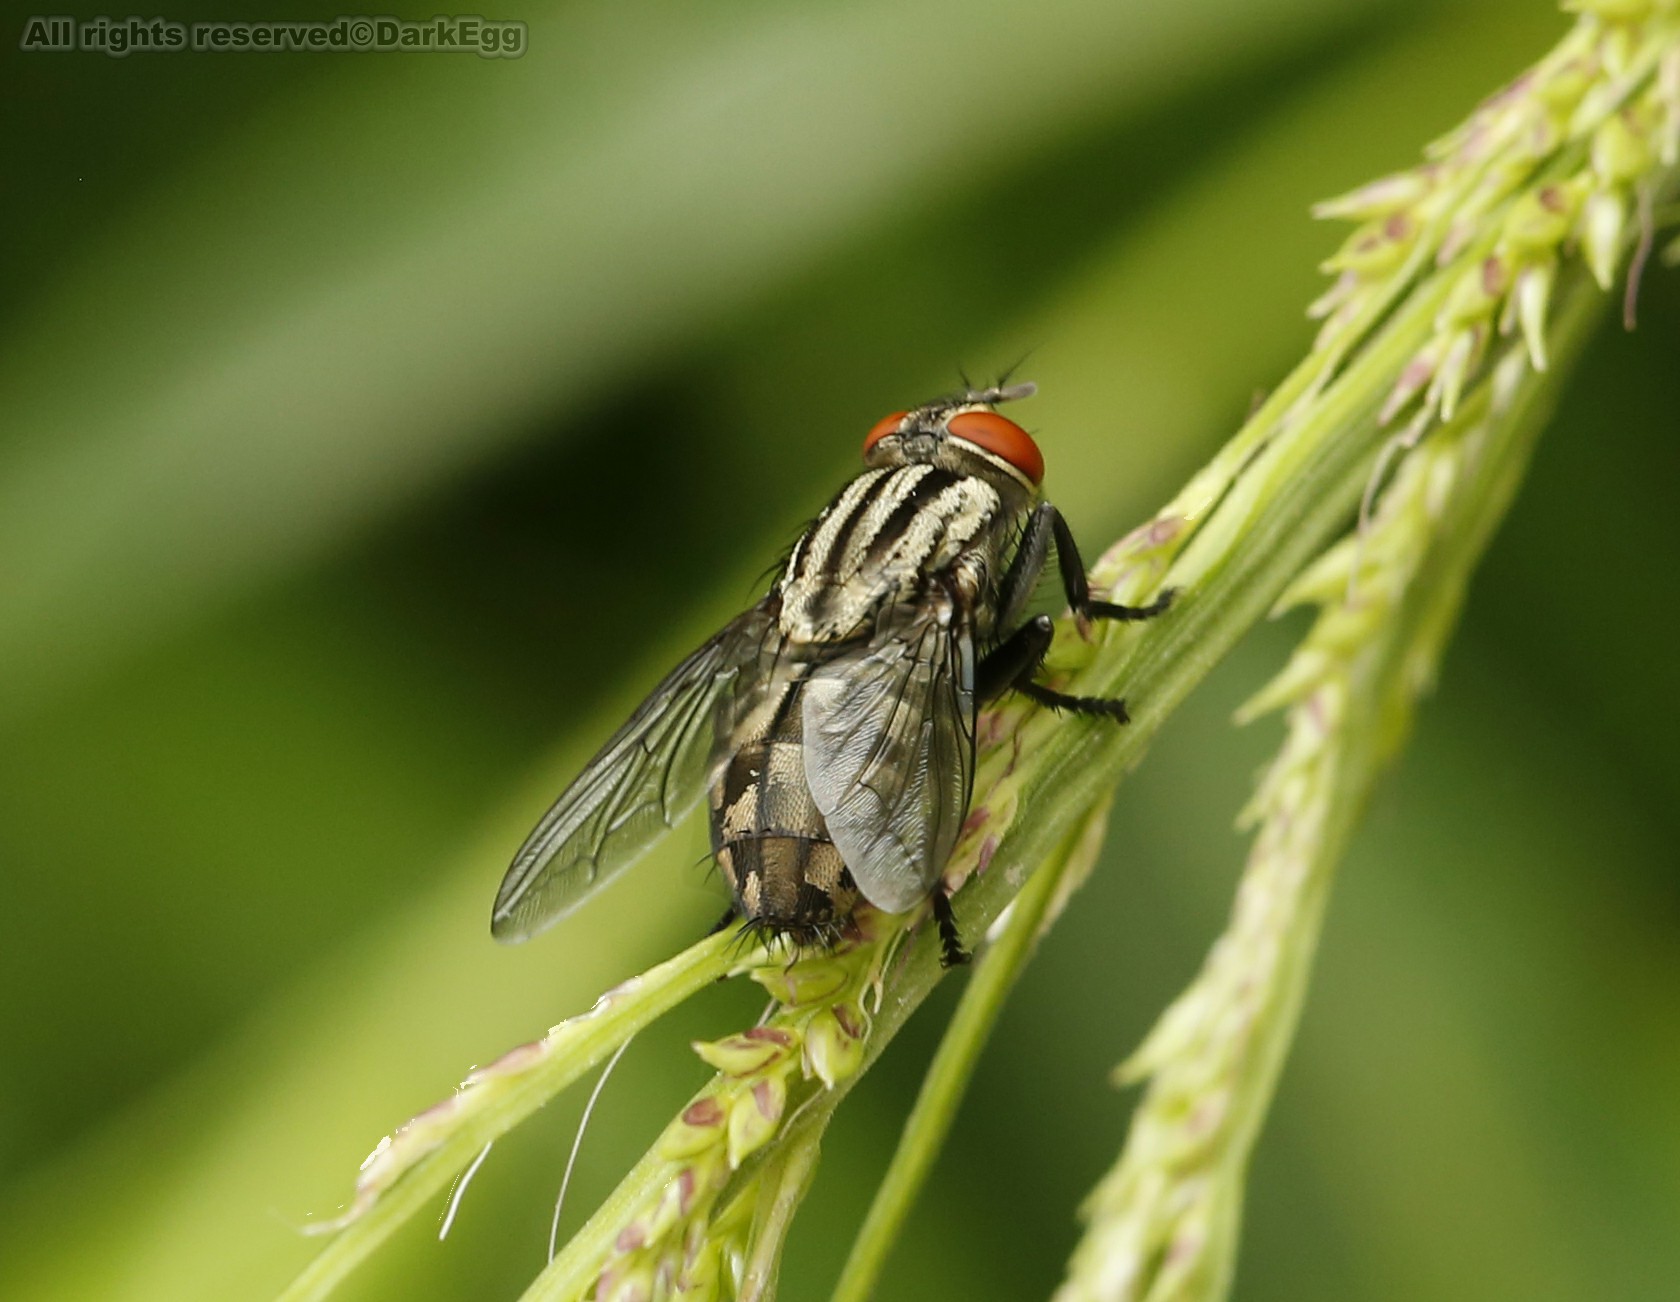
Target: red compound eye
(1001,437)
(883,427)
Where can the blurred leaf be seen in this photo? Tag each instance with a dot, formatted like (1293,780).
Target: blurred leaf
(365,293)
(368,289)
(247,1133)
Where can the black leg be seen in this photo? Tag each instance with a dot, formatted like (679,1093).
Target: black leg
(951,951)
(1078,589)
(1113,609)
(1013,663)
(1014,660)
(728,917)
(1028,563)
(1107,707)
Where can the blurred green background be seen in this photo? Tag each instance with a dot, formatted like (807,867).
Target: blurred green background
(374,430)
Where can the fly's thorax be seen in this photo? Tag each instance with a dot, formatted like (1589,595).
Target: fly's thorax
(768,836)
(888,532)
(1017,493)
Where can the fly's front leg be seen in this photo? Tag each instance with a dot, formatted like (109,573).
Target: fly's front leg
(1014,662)
(1078,588)
(1016,588)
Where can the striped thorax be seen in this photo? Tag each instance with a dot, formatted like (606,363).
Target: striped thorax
(880,542)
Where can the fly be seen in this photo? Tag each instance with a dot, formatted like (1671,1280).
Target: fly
(831,726)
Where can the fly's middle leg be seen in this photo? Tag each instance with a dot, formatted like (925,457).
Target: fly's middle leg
(1013,663)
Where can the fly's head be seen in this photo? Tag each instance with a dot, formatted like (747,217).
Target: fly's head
(963,433)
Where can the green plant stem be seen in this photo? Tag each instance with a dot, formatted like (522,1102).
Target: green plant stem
(953,1065)
(1312,482)
(1256,533)
(1268,503)
(1164,1222)
(782,1188)
(489,1109)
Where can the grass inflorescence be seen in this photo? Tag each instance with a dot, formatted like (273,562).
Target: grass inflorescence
(1366,484)
(1546,187)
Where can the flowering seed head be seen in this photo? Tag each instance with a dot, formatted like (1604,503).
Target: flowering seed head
(1475,294)
(1414,377)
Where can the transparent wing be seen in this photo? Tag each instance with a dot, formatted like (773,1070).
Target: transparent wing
(889,754)
(642,782)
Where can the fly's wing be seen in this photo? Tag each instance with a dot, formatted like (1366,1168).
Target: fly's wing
(642,782)
(889,753)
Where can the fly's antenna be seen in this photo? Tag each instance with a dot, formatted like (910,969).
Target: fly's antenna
(1017,364)
(1004,393)
(460,1191)
(577,1143)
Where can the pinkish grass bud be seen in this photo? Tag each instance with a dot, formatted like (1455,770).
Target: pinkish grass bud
(1379,198)
(1475,294)
(1619,154)
(634,1284)
(1463,352)
(809,981)
(1602,223)
(754,1116)
(1414,376)
(834,1044)
(1376,248)
(698,1128)
(1532,297)
(749,1052)
(1541,218)
(1563,90)
(669,1208)
(701,1280)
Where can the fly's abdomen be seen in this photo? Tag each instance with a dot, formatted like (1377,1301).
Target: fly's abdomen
(769,838)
